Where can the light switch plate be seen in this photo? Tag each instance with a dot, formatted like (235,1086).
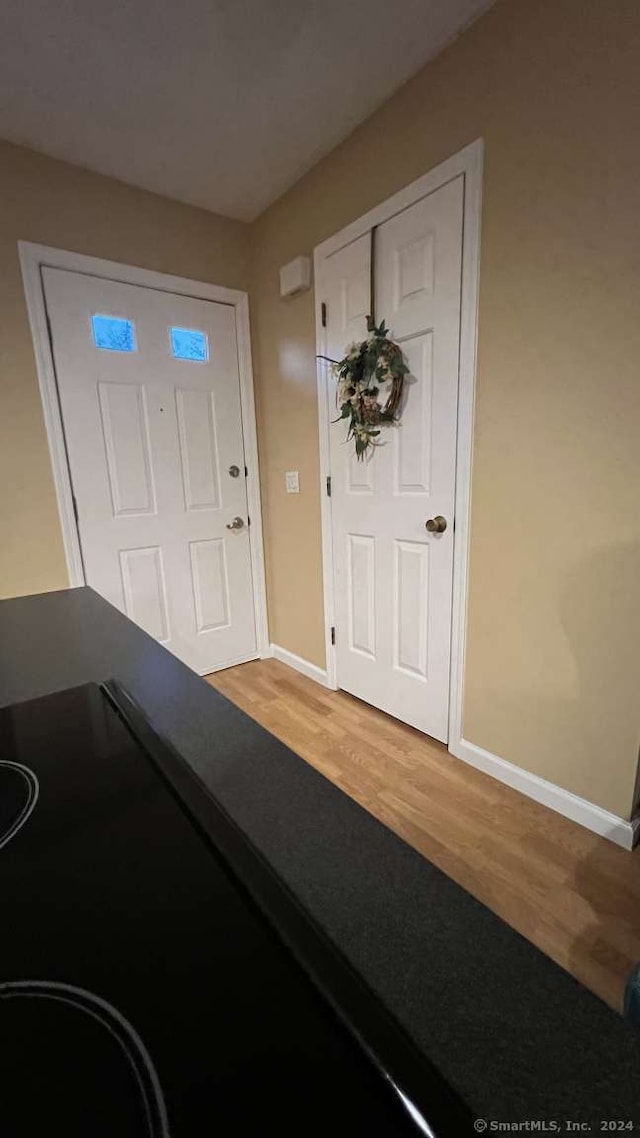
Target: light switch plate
(292,482)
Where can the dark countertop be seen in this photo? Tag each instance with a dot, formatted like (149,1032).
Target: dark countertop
(517,1036)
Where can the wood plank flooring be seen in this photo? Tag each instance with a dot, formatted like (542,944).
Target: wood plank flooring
(573,894)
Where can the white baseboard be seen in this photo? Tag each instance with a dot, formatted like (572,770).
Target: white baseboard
(587,814)
(300,665)
(580,810)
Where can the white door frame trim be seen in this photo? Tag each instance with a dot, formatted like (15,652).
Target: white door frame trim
(33,258)
(467,162)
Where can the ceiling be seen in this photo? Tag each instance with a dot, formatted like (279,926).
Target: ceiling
(220,103)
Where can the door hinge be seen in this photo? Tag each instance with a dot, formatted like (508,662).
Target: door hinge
(75,508)
(246,472)
(323,314)
(328,486)
(248,520)
(333,635)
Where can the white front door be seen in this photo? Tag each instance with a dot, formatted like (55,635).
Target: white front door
(393,578)
(149,393)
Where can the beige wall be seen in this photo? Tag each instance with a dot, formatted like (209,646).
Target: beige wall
(56,204)
(553,86)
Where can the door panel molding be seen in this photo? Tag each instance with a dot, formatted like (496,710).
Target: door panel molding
(33,259)
(467,162)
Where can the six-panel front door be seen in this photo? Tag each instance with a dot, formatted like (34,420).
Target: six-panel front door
(392,576)
(150,400)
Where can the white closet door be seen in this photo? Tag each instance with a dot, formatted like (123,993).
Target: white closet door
(149,393)
(393,578)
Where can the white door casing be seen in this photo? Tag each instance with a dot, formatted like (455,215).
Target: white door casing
(393,579)
(150,439)
(467,162)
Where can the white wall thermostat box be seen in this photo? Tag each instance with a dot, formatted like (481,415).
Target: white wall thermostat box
(296,276)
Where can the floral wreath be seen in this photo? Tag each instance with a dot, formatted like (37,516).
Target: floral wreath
(375,361)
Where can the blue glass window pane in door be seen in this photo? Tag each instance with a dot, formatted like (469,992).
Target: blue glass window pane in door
(189,344)
(114,333)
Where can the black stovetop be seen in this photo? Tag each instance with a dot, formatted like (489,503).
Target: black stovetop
(155,978)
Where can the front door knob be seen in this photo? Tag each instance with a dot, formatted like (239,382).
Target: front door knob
(237,523)
(437,524)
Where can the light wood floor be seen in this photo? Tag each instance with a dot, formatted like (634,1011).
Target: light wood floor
(573,894)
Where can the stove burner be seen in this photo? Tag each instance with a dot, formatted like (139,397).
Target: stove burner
(19,791)
(55,1064)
